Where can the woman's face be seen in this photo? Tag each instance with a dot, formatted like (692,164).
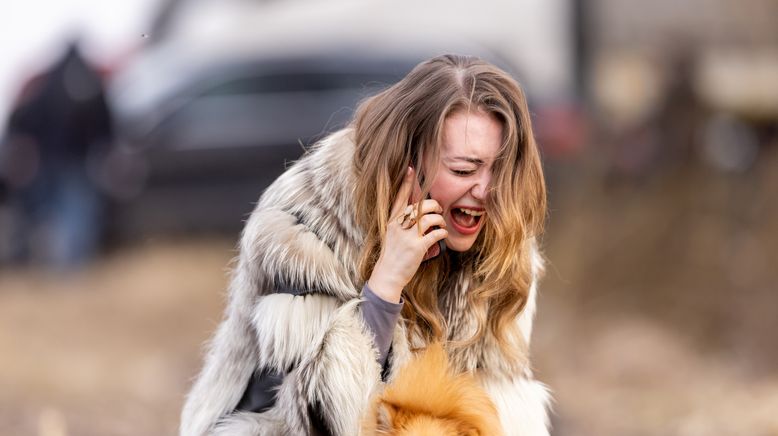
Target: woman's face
(471,142)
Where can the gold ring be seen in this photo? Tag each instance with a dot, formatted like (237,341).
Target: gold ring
(408,218)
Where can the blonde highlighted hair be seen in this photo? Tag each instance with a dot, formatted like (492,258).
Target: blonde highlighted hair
(401,127)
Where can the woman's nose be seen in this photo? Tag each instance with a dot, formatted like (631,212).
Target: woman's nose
(481,186)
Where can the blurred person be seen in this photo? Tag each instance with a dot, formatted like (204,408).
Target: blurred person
(60,121)
(681,114)
(668,137)
(415,224)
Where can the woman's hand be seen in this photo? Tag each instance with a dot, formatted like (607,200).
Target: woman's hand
(403,249)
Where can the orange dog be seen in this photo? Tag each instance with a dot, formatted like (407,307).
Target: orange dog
(426,398)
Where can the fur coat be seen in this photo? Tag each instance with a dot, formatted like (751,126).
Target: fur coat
(301,240)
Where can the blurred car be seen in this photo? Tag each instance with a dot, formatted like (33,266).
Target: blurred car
(203,153)
(214,110)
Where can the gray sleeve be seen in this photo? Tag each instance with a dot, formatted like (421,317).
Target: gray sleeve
(381,318)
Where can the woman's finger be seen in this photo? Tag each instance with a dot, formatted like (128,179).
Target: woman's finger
(401,200)
(427,207)
(433,237)
(430,206)
(432,219)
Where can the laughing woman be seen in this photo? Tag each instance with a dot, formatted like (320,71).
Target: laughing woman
(415,224)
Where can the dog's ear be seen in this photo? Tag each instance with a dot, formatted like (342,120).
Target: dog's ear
(385,414)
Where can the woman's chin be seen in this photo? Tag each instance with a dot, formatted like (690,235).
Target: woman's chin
(460,243)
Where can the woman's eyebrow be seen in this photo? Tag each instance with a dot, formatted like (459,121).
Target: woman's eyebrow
(473,160)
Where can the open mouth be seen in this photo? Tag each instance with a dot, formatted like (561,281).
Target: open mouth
(466,220)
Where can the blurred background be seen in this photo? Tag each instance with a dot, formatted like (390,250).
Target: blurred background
(136,136)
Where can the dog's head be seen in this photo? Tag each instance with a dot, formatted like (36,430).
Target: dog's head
(426,398)
(399,422)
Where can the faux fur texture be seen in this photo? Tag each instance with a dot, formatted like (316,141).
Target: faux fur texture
(293,306)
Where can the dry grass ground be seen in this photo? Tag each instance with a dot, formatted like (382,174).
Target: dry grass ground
(658,310)
(110,350)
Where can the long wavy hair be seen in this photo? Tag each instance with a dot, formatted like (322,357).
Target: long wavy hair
(401,127)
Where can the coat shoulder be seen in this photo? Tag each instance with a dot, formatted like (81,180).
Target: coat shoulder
(302,233)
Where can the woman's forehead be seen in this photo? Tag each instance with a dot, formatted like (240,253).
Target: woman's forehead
(473,137)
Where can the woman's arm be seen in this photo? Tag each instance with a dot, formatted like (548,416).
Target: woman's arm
(381,318)
(379,315)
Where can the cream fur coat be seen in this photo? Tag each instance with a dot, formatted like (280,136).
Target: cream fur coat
(302,236)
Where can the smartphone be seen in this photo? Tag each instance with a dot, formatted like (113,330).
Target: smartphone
(435,251)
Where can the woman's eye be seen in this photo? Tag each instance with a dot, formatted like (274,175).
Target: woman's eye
(463,172)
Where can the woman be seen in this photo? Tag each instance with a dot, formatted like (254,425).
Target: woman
(313,323)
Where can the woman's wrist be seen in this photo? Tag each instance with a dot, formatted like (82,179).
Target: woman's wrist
(385,289)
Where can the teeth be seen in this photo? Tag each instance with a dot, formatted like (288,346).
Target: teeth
(471,212)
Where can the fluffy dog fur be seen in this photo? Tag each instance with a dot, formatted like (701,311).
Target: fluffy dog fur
(427,398)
